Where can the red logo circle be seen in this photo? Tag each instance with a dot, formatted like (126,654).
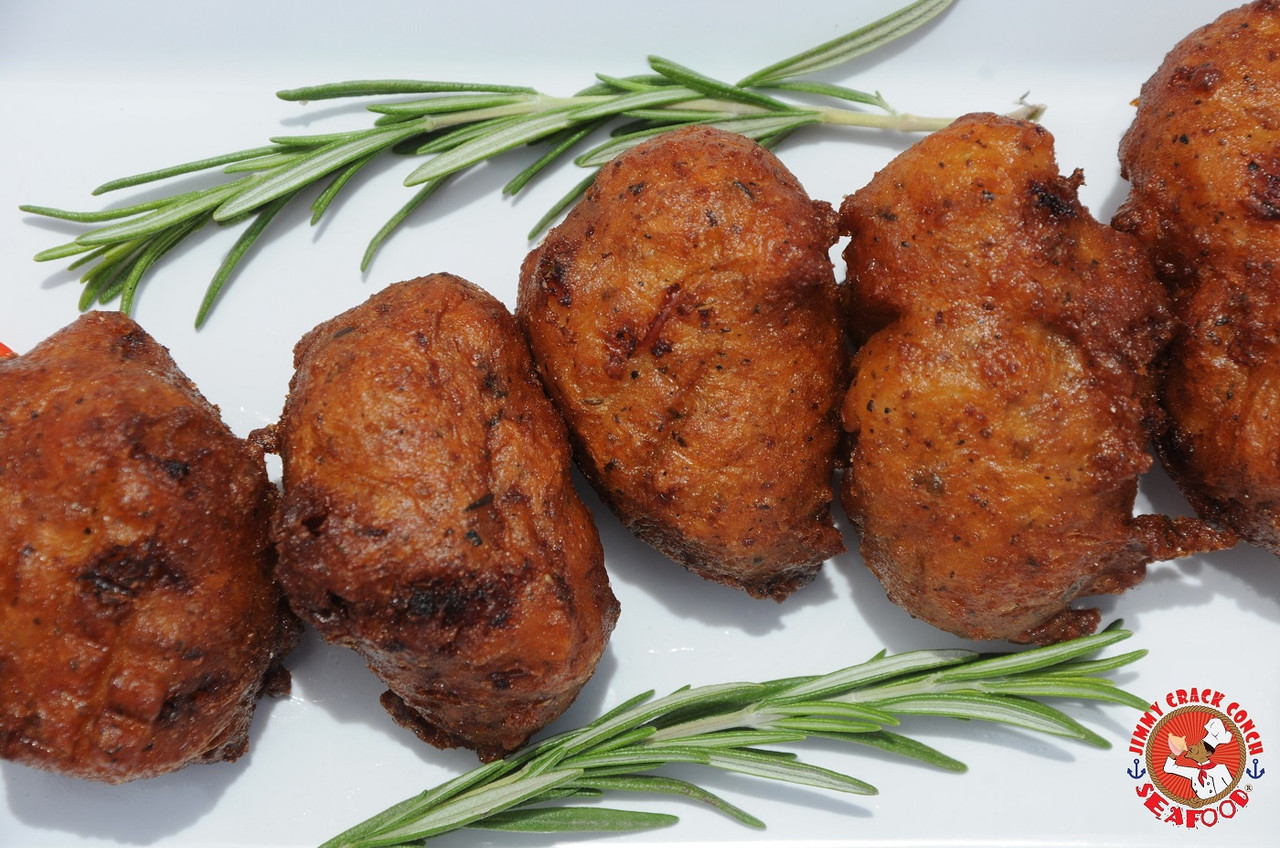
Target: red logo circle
(1196,756)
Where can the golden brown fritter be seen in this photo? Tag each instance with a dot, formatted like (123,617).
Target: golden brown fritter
(998,401)
(139,621)
(430,520)
(1203,160)
(684,319)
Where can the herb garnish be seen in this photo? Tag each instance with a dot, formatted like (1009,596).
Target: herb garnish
(728,727)
(458,125)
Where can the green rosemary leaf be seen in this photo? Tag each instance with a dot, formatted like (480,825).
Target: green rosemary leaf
(550,753)
(872,671)
(647,82)
(842,49)
(179,170)
(375,88)
(471,807)
(486,147)
(63,251)
(445,105)
(758,764)
(705,697)
(1022,661)
(772,140)
(310,141)
(406,810)
(623,709)
(105,214)
(712,87)
(569,198)
(452,137)
(574,820)
(426,190)
(114,264)
(129,270)
(751,127)
(311,168)
(826,89)
(170,215)
(237,253)
(833,709)
(262,163)
(646,119)
(557,148)
(1019,712)
(736,738)
(625,740)
(567,791)
(89,257)
(326,197)
(116,254)
(902,746)
(824,724)
(161,244)
(659,785)
(1098,666)
(644,99)
(1050,686)
(642,757)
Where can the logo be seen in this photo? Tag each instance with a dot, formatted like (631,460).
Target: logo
(1198,757)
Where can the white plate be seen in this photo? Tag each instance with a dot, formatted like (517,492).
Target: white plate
(94,91)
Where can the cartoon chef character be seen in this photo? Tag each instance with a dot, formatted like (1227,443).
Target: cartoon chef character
(1207,779)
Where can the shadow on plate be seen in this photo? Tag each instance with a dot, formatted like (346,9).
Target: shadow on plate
(137,813)
(637,565)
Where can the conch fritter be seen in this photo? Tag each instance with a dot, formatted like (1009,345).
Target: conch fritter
(429,518)
(139,619)
(1203,160)
(1000,393)
(684,319)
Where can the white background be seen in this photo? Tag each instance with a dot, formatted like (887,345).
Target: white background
(92,91)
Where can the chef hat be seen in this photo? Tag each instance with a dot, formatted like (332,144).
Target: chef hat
(1215,733)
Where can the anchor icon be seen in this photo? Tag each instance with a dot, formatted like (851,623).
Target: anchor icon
(1255,772)
(1137,772)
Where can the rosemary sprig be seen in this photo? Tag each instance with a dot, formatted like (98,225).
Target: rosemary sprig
(456,126)
(728,726)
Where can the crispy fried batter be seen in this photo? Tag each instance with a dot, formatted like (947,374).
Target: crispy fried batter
(1203,160)
(999,398)
(139,622)
(430,520)
(684,318)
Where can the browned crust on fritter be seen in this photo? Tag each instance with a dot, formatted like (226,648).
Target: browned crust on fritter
(430,520)
(1203,160)
(1001,388)
(684,320)
(139,622)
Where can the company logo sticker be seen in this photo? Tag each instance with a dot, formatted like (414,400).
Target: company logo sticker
(1199,755)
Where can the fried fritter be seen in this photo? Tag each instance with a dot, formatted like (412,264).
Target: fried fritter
(684,319)
(1203,160)
(999,398)
(139,620)
(429,518)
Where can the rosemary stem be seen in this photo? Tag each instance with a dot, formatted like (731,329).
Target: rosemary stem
(905,121)
(723,107)
(893,121)
(535,105)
